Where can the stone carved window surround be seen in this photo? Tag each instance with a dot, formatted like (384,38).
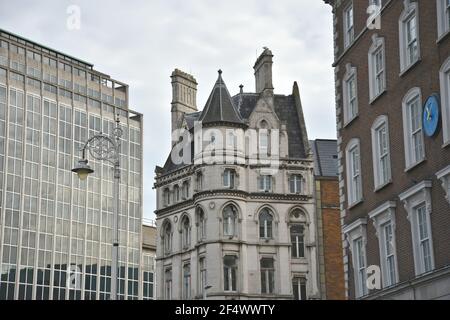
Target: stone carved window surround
(380,217)
(413,198)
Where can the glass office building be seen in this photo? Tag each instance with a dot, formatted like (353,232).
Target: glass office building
(55,230)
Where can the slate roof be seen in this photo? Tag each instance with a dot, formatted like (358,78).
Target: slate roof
(325,157)
(286,111)
(220,107)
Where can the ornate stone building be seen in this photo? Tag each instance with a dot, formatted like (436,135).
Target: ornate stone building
(243,228)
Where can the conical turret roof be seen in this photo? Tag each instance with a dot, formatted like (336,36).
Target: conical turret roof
(220,107)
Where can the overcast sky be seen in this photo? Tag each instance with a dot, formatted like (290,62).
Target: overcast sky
(140,43)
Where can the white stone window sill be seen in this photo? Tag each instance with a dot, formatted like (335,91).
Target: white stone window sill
(443,36)
(409,67)
(384,185)
(446,144)
(414,165)
(354,204)
(347,123)
(375,98)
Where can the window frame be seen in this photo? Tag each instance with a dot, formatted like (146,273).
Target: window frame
(229,178)
(168,283)
(350,111)
(443,18)
(268,274)
(202,277)
(167,238)
(186,287)
(357,231)
(379,123)
(444,176)
(444,78)
(299,237)
(229,222)
(264,224)
(377,47)
(185,232)
(382,216)
(299,282)
(265,183)
(297,181)
(349,26)
(354,192)
(413,96)
(419,196)
(411,10)
(230,272)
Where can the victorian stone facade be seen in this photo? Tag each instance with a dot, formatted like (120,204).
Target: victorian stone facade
(243,228)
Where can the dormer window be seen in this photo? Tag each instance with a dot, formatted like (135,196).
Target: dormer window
(263,138)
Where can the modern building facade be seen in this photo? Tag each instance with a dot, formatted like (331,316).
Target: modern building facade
(148,259)
(56,230)
(331,267)
(392,72)
(236,220)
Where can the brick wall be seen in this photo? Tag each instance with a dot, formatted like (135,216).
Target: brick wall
(425,75)
(332,244)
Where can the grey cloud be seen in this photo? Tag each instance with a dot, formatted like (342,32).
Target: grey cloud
(140,42)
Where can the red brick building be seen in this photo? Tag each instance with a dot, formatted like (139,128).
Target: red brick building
(331,268)
(392,75)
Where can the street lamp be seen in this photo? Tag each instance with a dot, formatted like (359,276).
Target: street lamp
(105,148)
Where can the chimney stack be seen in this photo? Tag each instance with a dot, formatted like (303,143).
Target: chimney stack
(263,72)
(184,97)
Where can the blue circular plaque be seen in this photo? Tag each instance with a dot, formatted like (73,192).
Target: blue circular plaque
(431,115)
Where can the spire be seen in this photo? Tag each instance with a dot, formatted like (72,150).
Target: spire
(220,107)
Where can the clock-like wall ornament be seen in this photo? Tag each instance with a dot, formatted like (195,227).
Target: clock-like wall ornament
(431,115)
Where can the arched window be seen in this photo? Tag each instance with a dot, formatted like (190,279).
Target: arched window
(265,224)
(167,238)
(199,178)
(185,190)
(176,194)
(166,196)
(231,140)
(229,220)
(263,138)
(298,226)
(186,232)
(201,224)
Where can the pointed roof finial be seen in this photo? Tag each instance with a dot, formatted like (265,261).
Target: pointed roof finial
(241,87)
(220,72)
